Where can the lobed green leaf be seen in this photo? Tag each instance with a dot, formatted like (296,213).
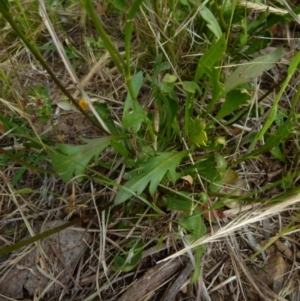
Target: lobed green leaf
(152,172)
(70,160)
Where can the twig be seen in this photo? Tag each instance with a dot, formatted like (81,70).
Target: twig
(151,280)
(178,283)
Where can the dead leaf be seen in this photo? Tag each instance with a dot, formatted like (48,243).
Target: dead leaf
(284,249)
(272,274)
(188,178)
(57,261)
(66,106)
(212,214)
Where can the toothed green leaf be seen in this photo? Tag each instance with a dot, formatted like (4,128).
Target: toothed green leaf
(71,160)
(152,172)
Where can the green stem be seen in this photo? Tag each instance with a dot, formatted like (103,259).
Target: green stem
(295,102)
(189,104)
(128,33)
(113,51)
(221,18)
(24,163)
(122,65)
(28,241)
(40,58)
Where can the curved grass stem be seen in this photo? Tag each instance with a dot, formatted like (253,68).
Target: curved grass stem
(7,15)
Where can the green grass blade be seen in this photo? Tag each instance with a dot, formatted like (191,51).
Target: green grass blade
(284,131)
(113,51)
(252,69)
(273,111)
(28,241)
(215,53)
(128,32)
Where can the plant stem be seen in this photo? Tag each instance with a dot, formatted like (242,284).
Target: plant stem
(189,104)
(111,48)
(6,14)
(24,163)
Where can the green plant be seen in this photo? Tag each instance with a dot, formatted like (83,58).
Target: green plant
(40,103)
(182,128)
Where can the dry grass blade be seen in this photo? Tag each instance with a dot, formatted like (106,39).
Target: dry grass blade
(57,43)
(239,222)
(157,39)
(92,72)
(291,12)
(263,8)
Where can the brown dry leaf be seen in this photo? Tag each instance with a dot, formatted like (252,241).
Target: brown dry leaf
(211,214)
(272,274)
(234,186)
(284,249)
(35,272)
(101,10)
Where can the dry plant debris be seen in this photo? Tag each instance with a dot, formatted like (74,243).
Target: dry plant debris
(272,273)
(152,280)
(46,268)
